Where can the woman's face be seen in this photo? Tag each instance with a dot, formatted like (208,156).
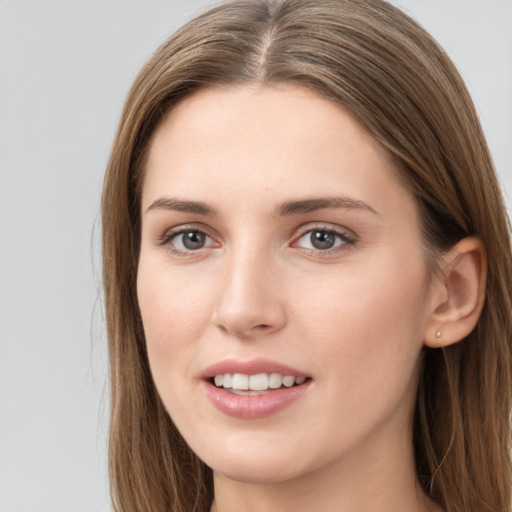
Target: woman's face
(282,285)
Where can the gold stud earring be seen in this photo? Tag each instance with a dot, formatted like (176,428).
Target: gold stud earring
(439,333)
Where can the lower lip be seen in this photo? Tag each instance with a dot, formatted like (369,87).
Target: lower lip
(254,406)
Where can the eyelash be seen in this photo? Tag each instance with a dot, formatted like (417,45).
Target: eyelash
(170,235)
(343,239)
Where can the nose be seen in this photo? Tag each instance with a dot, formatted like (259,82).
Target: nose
(251,301)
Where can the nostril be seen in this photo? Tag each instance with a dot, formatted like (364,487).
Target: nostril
(262,326)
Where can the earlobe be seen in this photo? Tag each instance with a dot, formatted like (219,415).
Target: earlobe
(458,295)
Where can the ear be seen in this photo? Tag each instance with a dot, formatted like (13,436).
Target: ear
(457,296)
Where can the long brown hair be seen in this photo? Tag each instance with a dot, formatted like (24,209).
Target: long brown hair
(396,80)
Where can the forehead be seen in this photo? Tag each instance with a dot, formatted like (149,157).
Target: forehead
(283,139)
(215,113)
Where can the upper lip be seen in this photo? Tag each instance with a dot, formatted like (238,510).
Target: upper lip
(250,367)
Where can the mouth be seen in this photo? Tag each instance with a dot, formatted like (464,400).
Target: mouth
(254,389)
(256,384)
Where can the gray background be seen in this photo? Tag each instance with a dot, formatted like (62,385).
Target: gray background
(65,67)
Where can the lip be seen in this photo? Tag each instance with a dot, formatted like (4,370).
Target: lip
(252,406)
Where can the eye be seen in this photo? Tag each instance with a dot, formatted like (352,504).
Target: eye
(322,239)
(187,240)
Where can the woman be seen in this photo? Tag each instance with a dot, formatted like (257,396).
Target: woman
(306,271)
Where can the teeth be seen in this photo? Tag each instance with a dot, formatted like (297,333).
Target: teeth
(240,381)
(227,380)
(258,382)
(275,380)
(288,381)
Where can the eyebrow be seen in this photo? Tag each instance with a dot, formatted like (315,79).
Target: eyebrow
(287,208)
(314,204)
(179,205)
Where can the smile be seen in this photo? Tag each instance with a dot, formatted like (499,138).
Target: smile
(245,384)
(253,389)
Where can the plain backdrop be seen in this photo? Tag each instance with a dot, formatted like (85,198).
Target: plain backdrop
(65,67)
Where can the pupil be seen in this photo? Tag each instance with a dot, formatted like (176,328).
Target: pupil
(322,240)
(193,240)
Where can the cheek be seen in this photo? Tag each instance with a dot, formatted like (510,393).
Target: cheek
(366,340)
(368,322)
(171,309)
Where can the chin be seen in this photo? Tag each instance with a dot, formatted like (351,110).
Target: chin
(272,464)
(257,473)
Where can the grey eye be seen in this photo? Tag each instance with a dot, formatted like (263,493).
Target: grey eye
(322,239)
(190,240)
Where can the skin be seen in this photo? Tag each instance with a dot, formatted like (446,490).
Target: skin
(353,317)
